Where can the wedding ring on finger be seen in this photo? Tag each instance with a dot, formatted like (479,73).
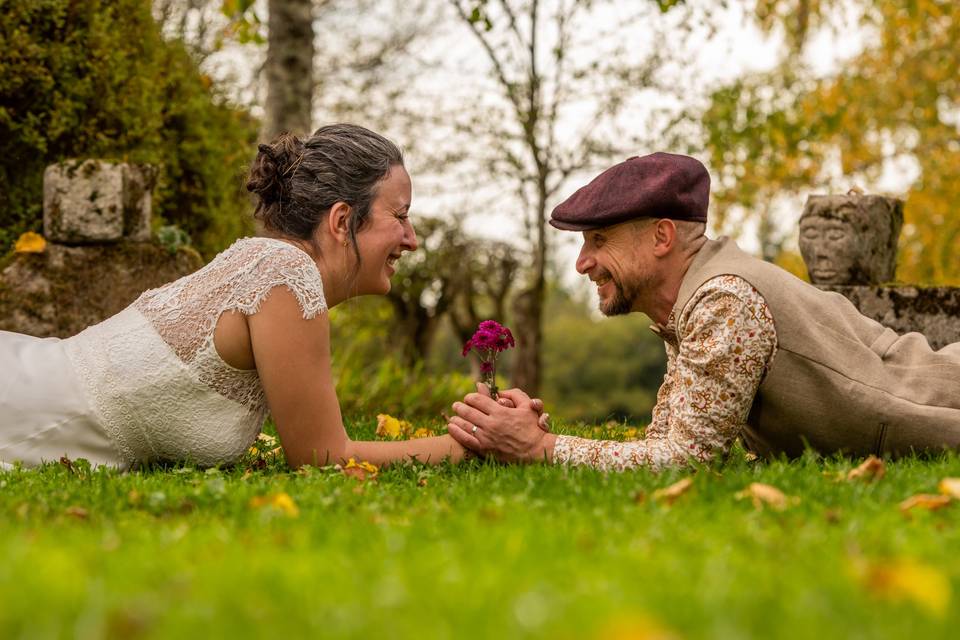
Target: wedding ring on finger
(474,430)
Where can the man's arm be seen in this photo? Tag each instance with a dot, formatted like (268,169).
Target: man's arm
(726,343)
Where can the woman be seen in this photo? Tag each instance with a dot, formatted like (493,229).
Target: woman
(189,370)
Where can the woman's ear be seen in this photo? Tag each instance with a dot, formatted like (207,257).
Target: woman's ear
(338,222)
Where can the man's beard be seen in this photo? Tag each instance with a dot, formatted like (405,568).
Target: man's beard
(621,303)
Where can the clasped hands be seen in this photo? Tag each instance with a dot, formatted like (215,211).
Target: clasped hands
(512,428)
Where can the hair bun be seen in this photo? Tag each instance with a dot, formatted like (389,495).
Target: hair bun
(272,165)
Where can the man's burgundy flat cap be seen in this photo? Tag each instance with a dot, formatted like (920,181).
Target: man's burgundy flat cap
(660,185)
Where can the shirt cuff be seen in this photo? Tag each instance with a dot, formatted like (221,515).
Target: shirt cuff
(563,447)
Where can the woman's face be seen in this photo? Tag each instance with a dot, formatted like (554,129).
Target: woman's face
(387,234)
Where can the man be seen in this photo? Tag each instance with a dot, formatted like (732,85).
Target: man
(753,352)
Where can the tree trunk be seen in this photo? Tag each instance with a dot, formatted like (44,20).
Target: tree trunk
(289,68)
(528,310)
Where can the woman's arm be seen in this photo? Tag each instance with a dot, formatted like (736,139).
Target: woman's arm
(292,357)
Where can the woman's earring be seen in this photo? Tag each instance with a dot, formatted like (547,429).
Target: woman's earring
(345,243)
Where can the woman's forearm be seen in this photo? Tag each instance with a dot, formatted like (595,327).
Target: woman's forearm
(427,450)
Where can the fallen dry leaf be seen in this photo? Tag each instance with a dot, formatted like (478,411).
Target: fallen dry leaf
(362,470)
(766,495)
(390,427)
(30,242)
(267,439)
(950,487)
(670,494)
(278,501)
(930,502)
(77,512)
(873,468)
(905,580)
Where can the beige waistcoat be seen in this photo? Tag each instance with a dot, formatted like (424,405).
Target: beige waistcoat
(839,381)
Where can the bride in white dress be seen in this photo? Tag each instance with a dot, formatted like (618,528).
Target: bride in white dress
(190,370)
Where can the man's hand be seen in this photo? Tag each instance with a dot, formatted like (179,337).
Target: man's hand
(510,433)
(535,403)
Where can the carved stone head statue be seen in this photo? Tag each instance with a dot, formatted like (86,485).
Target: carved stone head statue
(850,239)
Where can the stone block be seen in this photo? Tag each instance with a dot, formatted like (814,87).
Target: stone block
(932,311)
(93,201)
(66,288)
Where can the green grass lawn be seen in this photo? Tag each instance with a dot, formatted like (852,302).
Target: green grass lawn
(480,550)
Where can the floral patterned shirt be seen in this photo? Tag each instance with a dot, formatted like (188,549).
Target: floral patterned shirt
(718,352)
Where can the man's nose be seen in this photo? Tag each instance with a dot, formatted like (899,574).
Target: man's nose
(585,261)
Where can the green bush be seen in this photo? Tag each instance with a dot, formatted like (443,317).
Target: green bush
(369,372)
(598,369)
(96,79)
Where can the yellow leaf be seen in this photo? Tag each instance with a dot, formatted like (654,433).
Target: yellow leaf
(30,242)
(387,426)
(766,495)
(670,494)
(906,580)
(363,464)
(926,501)
(359,470)
(872,468)
(278,501)
(390,427)
(950,487)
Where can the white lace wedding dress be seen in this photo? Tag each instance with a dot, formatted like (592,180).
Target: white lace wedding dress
(148,383)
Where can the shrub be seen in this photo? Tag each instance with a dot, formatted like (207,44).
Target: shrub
(96,79)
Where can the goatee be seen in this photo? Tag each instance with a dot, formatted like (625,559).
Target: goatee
(620,305)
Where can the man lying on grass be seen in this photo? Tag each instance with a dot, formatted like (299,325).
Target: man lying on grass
(753,352)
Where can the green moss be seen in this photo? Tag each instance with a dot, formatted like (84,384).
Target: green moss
(95,79)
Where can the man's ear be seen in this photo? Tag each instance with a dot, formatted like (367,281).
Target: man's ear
(338,222)
(664,237)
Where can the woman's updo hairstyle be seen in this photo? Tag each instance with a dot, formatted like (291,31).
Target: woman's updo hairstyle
(298,181)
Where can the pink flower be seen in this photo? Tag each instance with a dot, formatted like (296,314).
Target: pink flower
(491,325)
(490,338)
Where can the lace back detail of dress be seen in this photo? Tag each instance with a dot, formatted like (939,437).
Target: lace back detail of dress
(185,312)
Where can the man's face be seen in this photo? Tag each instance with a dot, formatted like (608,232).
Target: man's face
(611,258)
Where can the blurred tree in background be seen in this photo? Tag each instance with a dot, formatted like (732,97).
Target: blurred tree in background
(774,134)
(452,274)
(96,79)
